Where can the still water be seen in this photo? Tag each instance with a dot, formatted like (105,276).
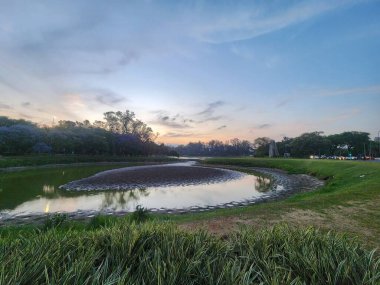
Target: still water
(37,191)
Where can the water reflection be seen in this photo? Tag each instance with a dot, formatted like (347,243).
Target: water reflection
(45,196)
(120,199)
(47,207)
(48,189)
(262,184)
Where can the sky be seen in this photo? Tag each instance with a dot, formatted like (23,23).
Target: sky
(195,70)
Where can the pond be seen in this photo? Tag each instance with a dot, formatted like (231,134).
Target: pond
(30,192)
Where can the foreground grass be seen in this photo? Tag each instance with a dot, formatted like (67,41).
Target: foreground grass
(151,253)
(34,160)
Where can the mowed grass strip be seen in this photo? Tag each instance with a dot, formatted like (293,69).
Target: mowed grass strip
(153,253)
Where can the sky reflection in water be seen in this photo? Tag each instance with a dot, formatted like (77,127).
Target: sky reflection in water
(51,199)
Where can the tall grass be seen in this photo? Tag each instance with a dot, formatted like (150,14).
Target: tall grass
(153,253)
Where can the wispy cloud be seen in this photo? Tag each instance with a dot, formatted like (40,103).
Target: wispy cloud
(5,106)
(242,23)
(211,107)
(342,116)
(106,97)
(210,119)
(176,122)
(366,90)
(284,102)
(177,135)
(263,126)
(26,104)
(221,127)
(316,93)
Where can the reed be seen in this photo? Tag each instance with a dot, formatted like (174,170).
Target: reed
(159,253)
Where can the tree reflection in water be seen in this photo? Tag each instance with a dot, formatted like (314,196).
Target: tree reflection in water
(121,199)
(262,184)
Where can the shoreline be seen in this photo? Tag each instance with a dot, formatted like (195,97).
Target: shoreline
(283,186)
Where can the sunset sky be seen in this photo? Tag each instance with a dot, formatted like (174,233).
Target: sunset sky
(195,70)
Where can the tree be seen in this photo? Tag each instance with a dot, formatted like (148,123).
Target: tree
(310,144)
(262,146)
(349,142)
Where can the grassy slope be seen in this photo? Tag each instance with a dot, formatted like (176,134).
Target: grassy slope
(348,202)
(344,179)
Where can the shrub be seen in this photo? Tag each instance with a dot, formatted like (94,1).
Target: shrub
(140,214)
(54,221)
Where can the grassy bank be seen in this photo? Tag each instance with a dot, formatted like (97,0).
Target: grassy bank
(127,253)
(347,203)
(34,160)
(346,181)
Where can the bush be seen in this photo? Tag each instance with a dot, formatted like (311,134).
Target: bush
(54,221)
(140,214)
(98,221)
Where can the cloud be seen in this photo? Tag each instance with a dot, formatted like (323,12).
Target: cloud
(366,90)
(284,102)
(177,135)
(343,116)
(222,127)
(26,104)
(211,107)
(236,23)
(208,119)
(27,116)
(5,106)
(106,97)
(164,119)
(260,127)
(179,121)
(264,126)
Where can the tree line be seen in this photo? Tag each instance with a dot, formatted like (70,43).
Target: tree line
(120,133)
(314,143)
(234,147)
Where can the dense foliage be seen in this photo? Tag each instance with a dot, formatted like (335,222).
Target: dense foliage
(120,134)
(234,147)
(314,143)
(151,253)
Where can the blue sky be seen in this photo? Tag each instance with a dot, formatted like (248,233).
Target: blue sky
(195,70)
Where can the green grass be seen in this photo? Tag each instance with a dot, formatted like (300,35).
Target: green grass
(127,253)
(346,181)
(34,160)
(348,202)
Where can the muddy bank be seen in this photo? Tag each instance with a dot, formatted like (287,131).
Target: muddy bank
(141,177)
